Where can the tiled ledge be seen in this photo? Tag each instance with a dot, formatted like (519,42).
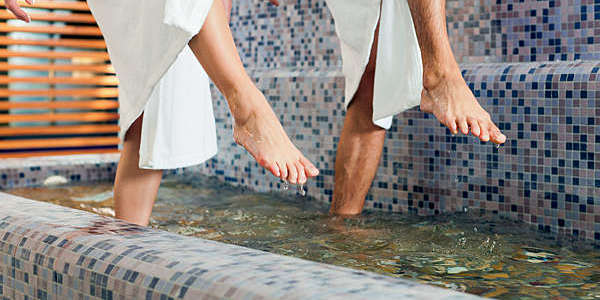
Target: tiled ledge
(52,252)
(581,70)
(82,159)
(21,172)
(540,67)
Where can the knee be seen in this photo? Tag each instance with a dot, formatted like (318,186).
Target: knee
(133,135)
(361,117)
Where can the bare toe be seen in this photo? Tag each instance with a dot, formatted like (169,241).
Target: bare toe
(451,124)
(311,170)
(274,168)
(271,167)
(464,127)
(292,173)
(485,134)
(475,130)
(301,173)
(283,172)
(497,136)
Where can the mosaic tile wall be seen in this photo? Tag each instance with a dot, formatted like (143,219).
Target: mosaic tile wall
(296,35)
(301,34)
(52,252)
(524,30)
(546,175)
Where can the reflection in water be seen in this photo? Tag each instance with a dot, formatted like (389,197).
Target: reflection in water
(482,255)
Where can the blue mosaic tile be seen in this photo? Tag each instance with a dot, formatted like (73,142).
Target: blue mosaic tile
(186,267)
(546,172)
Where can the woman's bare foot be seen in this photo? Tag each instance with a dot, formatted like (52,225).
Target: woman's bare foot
(259,131)
(256,127)
(455,106)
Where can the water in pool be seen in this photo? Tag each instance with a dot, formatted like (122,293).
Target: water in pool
(482,255)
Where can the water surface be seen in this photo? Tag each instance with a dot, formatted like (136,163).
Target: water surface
(478,254)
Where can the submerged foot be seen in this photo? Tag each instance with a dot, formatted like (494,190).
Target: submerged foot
(260,132)
(455,106)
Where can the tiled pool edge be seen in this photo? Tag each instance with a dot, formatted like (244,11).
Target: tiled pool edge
(53,252)
(78,168)
(24,172)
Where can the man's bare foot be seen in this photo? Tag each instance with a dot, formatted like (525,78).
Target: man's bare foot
(455,106)
(259,131)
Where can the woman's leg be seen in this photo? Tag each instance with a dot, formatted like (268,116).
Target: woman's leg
(135,189)
(256,127)
(445,93)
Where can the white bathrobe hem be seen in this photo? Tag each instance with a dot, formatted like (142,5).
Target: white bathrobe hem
(160,77)
(399,68)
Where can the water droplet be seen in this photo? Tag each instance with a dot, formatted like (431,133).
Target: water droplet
(285,185)
(301,190)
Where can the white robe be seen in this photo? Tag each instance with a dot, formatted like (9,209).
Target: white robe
(398,69)
(160,77)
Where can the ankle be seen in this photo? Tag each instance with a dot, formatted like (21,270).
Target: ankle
(243,102)
(434,76)
(345,213)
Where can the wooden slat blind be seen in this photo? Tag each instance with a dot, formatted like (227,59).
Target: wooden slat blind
(58,91)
